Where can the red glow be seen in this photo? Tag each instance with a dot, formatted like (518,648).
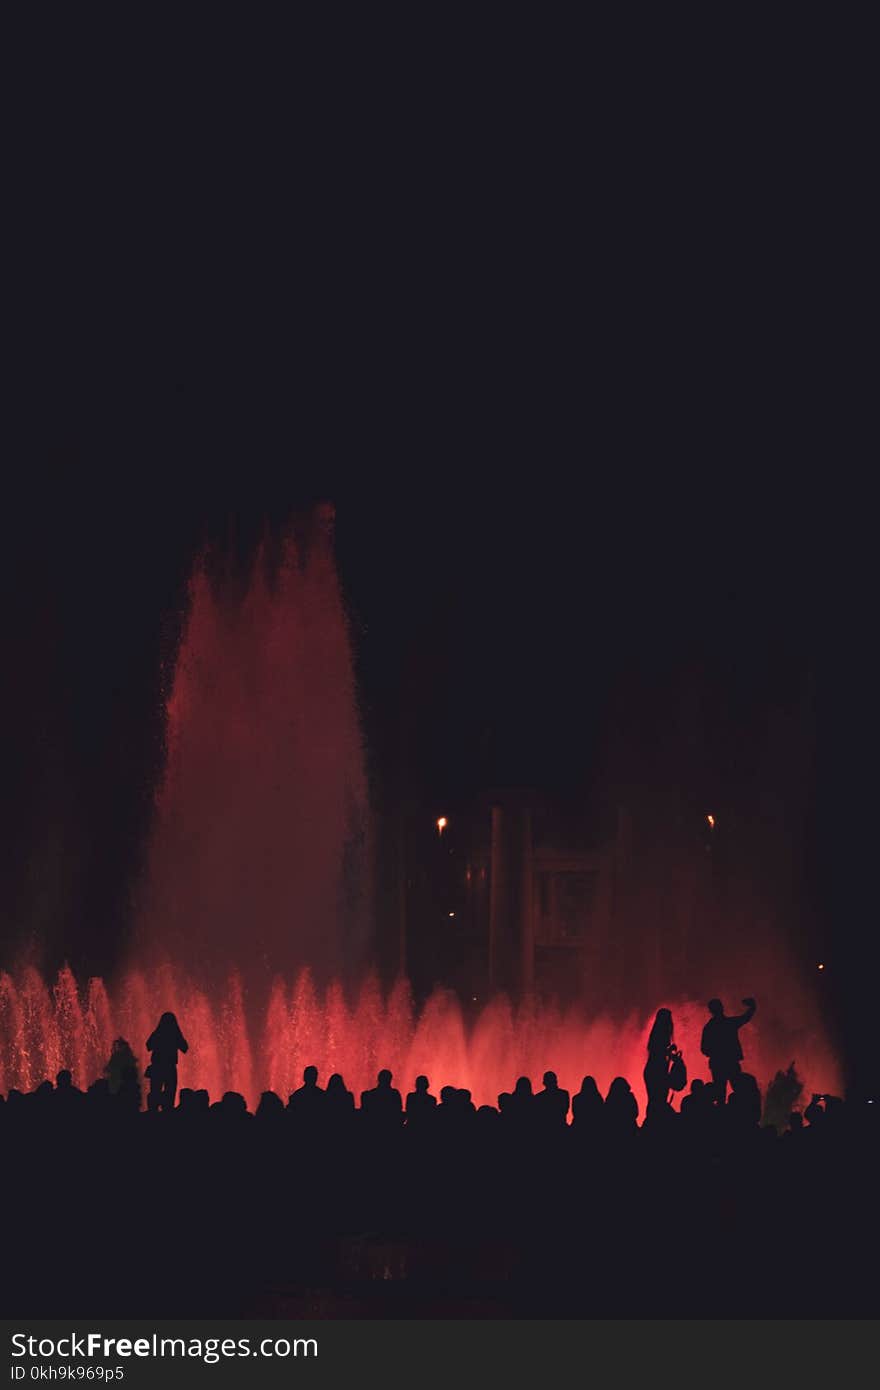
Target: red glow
(258,868)
(259,853)
(251,1049)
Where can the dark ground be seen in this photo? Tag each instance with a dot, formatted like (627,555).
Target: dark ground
(156,1217)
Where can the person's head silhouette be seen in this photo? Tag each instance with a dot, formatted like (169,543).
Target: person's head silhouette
(550,1081)
(270,1105)
(716,1008)
(233,1103)
(310,1076)
(384,1078)
(619,1090)
(421,1083)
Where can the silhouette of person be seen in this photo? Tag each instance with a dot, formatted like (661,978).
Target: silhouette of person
(487,1121)
(269,1110)
(420,1104)
(551,1104)
(123,1081)
(307,1103)
(448,1112)
(232,1111)
(465,1102)
(520,1107)
(382,1106)
(128,1097)
(587,1107)
(814,1114)
(163,1045)
(621,1108)
(338,1101)
(465,1112)
(745,1102)
(185,1106)
(121,1057)
(720,1043)
(695,1104)
(661,1052)
(98,1098)
(67,1096)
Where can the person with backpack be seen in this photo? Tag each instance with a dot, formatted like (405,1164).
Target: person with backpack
(664,1070)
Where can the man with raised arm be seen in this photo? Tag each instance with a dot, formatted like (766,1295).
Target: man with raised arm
(721,1044)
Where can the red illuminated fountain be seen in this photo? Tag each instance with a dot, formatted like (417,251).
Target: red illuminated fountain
(258,857)
(42,1029)
(252,920)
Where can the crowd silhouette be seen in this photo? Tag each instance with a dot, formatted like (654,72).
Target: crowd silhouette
(572,1192)
(313,1109)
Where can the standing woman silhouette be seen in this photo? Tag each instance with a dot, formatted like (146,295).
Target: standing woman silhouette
(163,1045)
(661,1054)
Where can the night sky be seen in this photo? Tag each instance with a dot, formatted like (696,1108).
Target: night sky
(579,455)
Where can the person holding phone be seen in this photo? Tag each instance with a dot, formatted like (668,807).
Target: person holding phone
(720,1043)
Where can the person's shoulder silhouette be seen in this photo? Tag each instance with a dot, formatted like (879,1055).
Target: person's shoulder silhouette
(744,1106)
(420,1104)
(587,1107)
(270,1109)
(163,1044)
(552,1103)
(382,1106)
(720,1043)
(306,1104)
(339,1100)
(621,1109)
(340,1115)
(68,1098)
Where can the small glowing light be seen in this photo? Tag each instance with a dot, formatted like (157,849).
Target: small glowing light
(442,823)
(710,821)
(820,966)
(452,914)
(474,1000)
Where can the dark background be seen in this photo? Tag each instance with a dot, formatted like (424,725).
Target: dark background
(585,375)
